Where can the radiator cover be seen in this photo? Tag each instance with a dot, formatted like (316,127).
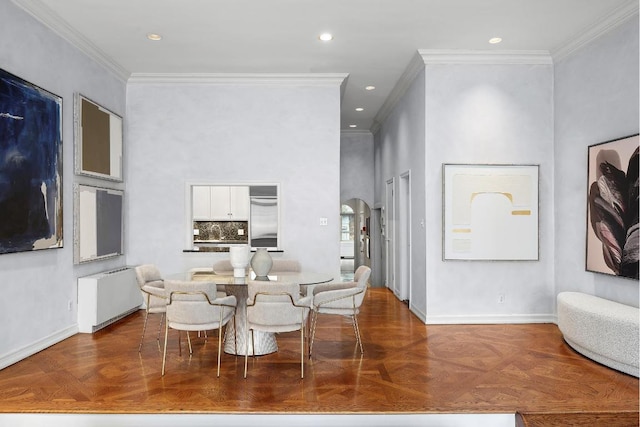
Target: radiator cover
(106,297)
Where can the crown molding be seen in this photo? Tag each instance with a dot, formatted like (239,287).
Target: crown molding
(425,57)
(608,23)
(303,79)
(489,57)
(402,85)
(365,132)
(51,20)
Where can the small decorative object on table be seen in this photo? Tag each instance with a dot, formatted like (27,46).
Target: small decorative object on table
(261,263)
(239,257)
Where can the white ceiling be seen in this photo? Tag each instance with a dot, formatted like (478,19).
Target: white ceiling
(374,40)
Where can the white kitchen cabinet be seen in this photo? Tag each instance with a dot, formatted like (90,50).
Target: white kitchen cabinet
(201,202)
(239,203)
(220,203)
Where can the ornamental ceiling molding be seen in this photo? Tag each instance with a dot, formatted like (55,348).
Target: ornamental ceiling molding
(56,24)
(425,57)
(610,22)
(489,57)
(284,79)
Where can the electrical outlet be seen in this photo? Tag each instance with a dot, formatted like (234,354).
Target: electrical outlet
(324,221)
(240,232)
(501,298)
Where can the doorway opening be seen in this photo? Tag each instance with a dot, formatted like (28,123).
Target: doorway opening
(355,242)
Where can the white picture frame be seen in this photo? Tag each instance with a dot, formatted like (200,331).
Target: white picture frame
(98,140)
(98,223)
(490,212)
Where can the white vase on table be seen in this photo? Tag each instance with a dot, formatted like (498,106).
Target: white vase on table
(261,263)
(239,257)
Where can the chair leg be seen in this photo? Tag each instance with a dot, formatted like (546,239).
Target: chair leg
(219,346)
(189,341)
(246,347)
(302,351)
(160,329)
(356,329)
(144,328)
(235,334)
(164,354)
(314,322)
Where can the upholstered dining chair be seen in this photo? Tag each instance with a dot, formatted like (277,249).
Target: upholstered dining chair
(276,307)
(343,299)
(285,265)
(152,288)
(223,267)
(194,306)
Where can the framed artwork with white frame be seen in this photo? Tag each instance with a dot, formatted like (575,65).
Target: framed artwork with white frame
(98,223)
(490,212)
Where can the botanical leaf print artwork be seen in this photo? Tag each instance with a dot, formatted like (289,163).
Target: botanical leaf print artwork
(613,205)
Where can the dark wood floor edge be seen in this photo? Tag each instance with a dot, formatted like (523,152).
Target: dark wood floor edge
(562,418)
(260,412)
(571,412)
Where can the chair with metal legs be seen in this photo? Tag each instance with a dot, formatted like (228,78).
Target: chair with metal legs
(343,299)
(152,288)
(195,306)
(276,307)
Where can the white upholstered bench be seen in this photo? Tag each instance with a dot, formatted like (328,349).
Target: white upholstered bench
(603,330)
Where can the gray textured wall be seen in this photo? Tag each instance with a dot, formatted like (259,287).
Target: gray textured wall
(596,100)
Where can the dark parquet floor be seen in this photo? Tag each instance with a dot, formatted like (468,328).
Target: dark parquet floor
(407,367)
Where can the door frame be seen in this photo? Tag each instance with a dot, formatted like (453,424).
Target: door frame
(404,280)
(389,238)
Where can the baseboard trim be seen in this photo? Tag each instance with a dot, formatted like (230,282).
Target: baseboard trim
(420,314)
(18,355)
(264,420)
(491,319)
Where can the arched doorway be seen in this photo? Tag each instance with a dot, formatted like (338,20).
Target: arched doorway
(355,242)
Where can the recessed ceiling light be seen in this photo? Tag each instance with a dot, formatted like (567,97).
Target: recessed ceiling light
(495,40)
(325,37)
(359,109)
(353,126)
(369,87)
(154,36)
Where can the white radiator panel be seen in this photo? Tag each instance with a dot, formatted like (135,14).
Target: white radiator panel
(106,297)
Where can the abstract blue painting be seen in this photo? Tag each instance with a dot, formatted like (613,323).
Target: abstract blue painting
(30,166)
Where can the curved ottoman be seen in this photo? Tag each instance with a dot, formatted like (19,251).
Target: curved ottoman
(603,330)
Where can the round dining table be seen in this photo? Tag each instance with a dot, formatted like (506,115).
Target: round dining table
(236,333)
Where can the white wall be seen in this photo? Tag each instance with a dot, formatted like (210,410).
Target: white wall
(400,148)
(356,166)
(37,286)
(357,182)
(233,133)
(596,100)
(498,113)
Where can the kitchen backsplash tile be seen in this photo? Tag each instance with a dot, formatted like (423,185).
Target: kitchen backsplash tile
(232,231)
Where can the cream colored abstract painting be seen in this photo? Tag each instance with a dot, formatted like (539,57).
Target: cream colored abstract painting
(490,212)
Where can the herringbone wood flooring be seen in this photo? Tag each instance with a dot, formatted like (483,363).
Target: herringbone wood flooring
(407,367)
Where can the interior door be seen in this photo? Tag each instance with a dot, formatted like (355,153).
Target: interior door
(390,213)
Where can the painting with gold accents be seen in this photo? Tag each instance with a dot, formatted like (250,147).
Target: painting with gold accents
(490,212)
(612,208)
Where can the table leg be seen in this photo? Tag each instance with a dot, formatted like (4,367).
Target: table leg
(265,342)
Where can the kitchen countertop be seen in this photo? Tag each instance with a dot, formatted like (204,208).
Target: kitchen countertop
(221,242)
(218,249)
